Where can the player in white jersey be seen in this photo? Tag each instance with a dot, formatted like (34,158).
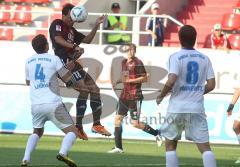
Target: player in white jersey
(41,74)
(190,76)
(236,124)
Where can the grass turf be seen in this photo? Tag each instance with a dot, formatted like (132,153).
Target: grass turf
(93,153)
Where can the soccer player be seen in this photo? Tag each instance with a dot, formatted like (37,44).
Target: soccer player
(65,39)
(133,75)
(190,76)
(41,74)
(236,124)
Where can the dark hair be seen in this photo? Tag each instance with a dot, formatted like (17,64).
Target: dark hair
(187,36)
(39,43)
(67,8)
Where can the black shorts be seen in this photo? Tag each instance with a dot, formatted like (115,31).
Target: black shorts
(134,106)
(77,74)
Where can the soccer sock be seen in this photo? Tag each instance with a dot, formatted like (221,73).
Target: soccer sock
(81,107)
(150,130)
(96,111)
(118,137)
(209,159)
(31,145)
(67,142)
(238,136)
(171,159)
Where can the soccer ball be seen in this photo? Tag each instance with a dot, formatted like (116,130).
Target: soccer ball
(78,14)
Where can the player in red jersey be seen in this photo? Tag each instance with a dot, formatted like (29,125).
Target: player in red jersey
(65,39)
(133,75)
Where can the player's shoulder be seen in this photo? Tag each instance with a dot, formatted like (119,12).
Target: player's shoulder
(57,22)
(137,60)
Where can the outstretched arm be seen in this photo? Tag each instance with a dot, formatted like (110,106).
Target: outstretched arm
(88,39)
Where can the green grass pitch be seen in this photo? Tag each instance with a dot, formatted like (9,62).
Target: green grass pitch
(92,153)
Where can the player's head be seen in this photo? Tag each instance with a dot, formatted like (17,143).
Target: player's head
(187,36)
(66,14)
(40,44)
(116,7)
(155,9)
(131,48)
(217,29)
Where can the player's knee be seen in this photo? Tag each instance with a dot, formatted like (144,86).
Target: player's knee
(39,132)
(236,129)
(135,124)
(118,121)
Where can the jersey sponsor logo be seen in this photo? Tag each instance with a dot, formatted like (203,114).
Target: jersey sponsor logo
(41,85)
(58,28)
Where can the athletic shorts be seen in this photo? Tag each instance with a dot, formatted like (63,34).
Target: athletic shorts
(134,106)
(236,116)
(194,124)
(54,112)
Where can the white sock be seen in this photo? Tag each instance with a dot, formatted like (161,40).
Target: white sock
(31,145)
(209,159)
(67,142)
(238,136)
(171,159)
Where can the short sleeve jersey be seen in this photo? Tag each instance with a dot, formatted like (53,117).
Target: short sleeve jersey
(70,34)
(132,70)
(193,69)
(41,70)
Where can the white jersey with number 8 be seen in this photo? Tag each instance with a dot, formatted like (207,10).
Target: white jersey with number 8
(193,69)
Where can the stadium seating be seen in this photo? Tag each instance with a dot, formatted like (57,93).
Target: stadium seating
(44,32)
(238,5)
(4,16)
(230,21)
(201,15)
(22,17)
(234,40)
(14,1)
(6,34)
(39,1)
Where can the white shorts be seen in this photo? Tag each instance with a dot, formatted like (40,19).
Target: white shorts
(236,116)
(194,124)
(55,112)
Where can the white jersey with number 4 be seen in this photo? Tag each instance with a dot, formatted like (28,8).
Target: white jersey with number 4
(41,71)
(193,69)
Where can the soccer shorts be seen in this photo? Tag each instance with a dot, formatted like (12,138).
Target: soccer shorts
(194,124)
(55,112)
(134,106)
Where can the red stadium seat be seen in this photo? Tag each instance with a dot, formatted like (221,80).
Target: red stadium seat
(44,32)
(4,16)
(38,1)
(231,21)
(234,40)
(22,17)
(15,1)
(238,5)
(6,34)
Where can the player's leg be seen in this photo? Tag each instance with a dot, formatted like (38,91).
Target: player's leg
(81,107)
(135,111)
(236,128)
(171,129)
(96,105)
(31,145)
(61,118)
(196,128)
(38,121)
(171,154)
(121,112)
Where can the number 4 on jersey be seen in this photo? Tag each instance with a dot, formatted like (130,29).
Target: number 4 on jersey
(39,75)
